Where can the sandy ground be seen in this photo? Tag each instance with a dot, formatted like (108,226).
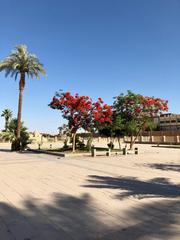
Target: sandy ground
(134,197)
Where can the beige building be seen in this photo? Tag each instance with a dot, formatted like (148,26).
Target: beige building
(169,122)
(37,137)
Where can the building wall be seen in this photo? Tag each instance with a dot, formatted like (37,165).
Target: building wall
(161,139)
(169,121)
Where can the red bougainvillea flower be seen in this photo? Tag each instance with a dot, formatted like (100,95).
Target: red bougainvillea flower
(81,111)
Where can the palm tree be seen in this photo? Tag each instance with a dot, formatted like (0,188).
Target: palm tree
(7,114)
(21,62)
(10,134)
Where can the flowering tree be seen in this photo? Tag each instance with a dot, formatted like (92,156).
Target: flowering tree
(81,112)
(137,110)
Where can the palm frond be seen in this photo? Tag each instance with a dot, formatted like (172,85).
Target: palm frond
(6,113)
(21,61)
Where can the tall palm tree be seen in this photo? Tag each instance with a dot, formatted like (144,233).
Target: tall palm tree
(21,62)
(7,114)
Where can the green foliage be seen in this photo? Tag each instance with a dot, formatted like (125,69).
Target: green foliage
(116,129)
(65,146)
(126,109)
(151,125)
(136,112)
(118,126)
(131,127)
(7,136)
(10,134)
(7,114)
(21,61)
(106,131)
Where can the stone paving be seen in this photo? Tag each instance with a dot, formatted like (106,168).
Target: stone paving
(134,197)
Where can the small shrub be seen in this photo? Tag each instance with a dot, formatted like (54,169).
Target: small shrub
(10,135)
(65,146)
(81,145)
(110,145)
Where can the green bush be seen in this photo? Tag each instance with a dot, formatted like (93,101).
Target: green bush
(10,135)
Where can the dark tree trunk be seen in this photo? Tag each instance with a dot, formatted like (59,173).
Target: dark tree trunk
(19,116)
(131,142)
(137,135)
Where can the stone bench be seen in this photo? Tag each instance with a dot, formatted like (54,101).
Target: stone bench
(126,151)
(100,149)
(108,151)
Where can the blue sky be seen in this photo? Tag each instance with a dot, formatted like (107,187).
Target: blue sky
(99,48)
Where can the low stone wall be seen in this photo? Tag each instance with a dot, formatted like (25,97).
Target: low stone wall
(163,139)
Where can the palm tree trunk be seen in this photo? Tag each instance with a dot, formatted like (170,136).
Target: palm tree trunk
(6,124)
(19,116)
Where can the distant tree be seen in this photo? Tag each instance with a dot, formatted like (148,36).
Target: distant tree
(151,125)
(114,130)
(63,130)
(21,62)
(65,133)
(137,111)
(7,114)
(81,112)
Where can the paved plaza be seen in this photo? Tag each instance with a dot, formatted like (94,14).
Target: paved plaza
(134,197)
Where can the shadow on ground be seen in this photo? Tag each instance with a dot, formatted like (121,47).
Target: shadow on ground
(133,187)
(5,150)
(166,167)
(67,217)
(21,152)
(153,221)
